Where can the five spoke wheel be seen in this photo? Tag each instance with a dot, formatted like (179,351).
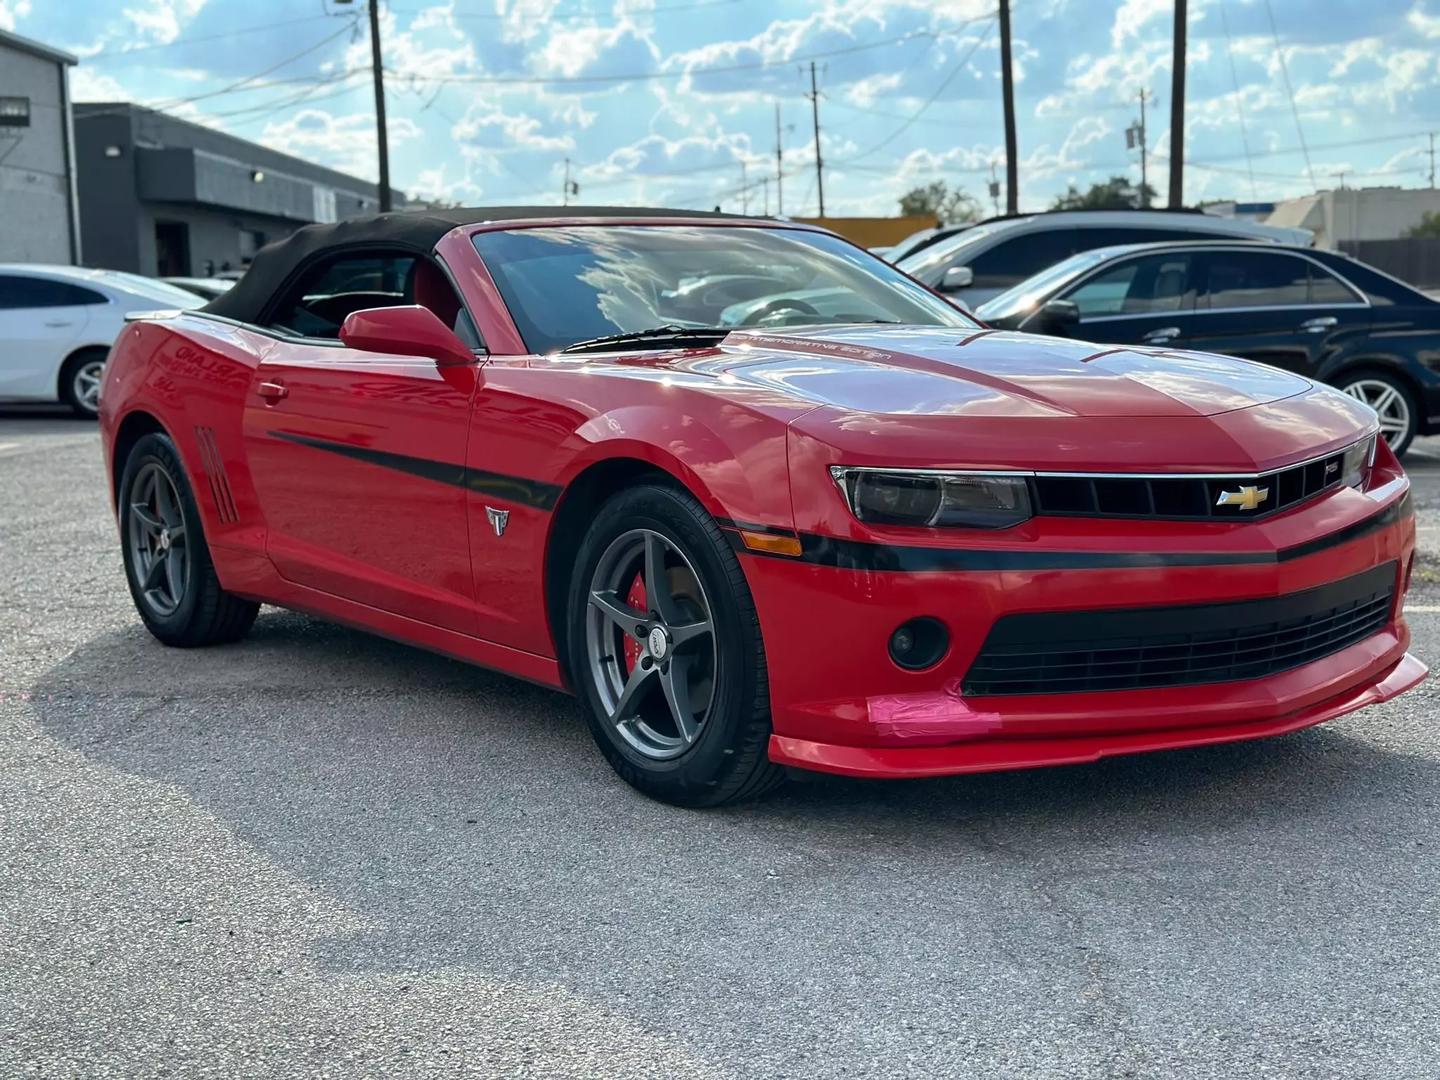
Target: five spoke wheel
(85,386)
(1390,403)
(650,642)
(159,554)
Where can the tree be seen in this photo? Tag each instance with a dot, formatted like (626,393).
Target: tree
(1117,193)
(1429,227)
(949,207)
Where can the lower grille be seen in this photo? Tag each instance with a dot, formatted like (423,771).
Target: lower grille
(1149,648)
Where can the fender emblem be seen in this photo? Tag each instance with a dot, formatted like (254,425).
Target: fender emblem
(1247,498)
(498,519)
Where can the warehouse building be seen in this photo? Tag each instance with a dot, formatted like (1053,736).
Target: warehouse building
(37,154)
(162,196)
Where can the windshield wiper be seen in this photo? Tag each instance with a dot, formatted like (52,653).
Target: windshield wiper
(654,336)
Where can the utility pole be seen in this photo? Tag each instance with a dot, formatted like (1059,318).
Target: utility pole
(814,97)
(1432,161)
(744,191)
(780,165)
(765,188)
(381,137)
(1177,109)
(1007,90)
(1135,136)
(571,187)
(995,188)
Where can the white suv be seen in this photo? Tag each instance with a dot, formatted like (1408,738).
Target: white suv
(983,261)
(57,324)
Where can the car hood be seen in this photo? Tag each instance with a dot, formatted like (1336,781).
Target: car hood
(954,372)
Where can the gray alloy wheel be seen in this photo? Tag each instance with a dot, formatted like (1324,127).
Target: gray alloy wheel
(85,384)
(159,553)
(1391,403)
(653,666)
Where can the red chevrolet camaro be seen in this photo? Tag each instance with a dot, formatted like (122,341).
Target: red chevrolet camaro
(756,497)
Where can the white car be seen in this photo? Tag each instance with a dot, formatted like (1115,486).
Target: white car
(981,262)
(57,324)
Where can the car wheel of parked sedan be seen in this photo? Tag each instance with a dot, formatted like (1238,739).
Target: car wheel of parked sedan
(80,380)
(167,563)
(1392,400)
(666,654)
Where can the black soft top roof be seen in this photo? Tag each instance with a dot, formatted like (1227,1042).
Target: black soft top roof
(405,230)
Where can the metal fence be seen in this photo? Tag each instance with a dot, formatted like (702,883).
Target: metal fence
(1414,259)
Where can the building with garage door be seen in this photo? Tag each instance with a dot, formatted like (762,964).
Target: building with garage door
(38,219)
(162,196)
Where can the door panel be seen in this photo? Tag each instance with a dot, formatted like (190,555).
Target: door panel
(33,344)
(358,459)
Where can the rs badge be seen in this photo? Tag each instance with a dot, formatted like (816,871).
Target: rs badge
(1247,498)
(498,519)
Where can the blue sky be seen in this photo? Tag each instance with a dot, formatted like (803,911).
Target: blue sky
(673,101)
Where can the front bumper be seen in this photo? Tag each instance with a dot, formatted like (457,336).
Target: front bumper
(840,705)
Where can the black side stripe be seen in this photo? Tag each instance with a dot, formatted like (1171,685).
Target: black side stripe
(867,556)
(515,489)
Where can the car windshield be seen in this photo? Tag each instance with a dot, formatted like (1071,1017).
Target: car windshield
(950,251)
(569,284)
(1032,290)
(151,289)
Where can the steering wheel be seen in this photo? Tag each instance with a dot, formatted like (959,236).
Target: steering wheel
(775,307)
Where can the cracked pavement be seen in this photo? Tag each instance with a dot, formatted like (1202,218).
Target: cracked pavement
(321,853)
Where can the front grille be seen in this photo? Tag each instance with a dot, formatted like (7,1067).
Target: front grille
(1148,648)
(1182,497)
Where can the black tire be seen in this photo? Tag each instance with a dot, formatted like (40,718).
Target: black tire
(1358,381)
(85,361)
(727,761)
(204,613)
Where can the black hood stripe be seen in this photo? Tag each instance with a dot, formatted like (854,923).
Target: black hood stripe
(515,489)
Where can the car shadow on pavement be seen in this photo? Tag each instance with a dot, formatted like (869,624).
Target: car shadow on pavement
(469,820)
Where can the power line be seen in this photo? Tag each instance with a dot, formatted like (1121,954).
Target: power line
(643,76)
(110,54)
(578,13)
(1290,92)
(1239,108)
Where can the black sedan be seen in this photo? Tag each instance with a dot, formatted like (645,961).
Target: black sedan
(1317,313)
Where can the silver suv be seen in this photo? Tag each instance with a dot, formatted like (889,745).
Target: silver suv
(983,261)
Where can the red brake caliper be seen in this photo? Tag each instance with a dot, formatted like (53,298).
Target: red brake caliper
(636,598)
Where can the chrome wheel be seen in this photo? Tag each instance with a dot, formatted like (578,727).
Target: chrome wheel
(1389,402)
(159,553)
(85,384)
(650,644)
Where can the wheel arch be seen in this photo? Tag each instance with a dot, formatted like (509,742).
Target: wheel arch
(582,498)
(71,357)
(135,426)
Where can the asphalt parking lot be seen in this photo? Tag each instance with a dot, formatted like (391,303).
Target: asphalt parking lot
(318,853)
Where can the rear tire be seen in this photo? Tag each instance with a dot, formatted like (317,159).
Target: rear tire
(641,658)
(80,379)
(167,562)
(1391,397)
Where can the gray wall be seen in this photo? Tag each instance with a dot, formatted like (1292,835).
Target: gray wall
(34,179)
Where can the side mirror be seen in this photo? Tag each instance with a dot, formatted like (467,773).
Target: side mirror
(1059,315)
(409,330)
(956,278)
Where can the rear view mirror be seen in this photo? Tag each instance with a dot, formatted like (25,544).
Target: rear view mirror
(409,330)
(1059,314)
(957,277)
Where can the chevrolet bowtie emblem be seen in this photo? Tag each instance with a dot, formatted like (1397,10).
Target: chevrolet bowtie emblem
(1247,498)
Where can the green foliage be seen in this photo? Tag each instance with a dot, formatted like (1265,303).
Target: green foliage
(1117,193)
(949,207)
(1429,226)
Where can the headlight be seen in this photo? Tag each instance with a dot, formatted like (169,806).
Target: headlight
(915,497)
(1355,465)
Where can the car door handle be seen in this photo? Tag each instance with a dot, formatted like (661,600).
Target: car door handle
(1163,334)
(1320,325)
(272,390)
(57,325)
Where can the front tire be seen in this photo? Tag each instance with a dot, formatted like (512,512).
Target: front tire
(666,654)
(1393,402)
(167,562)
(80,380)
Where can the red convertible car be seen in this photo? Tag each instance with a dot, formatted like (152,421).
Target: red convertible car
(757,498)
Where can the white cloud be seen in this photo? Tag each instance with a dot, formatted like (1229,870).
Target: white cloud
(1133,15)
(161,20)
(346,143)
(12,11)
